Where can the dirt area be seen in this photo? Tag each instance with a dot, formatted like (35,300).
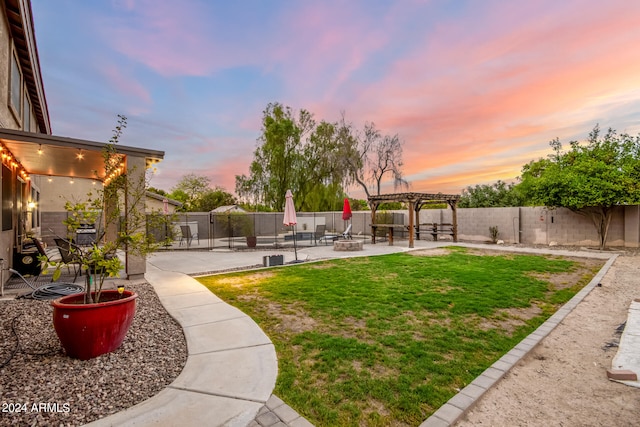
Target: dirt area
(563,381)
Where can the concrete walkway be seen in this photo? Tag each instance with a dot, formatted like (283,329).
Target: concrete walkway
(627,359)
(232,366)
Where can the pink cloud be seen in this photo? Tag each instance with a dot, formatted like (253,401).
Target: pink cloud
(467,96)
(474,97)
(322,44)
(172,38)
(127,86)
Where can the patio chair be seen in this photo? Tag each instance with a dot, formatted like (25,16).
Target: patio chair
(69,254)
(319,234)
(187,235)
(43,252)
(347,233)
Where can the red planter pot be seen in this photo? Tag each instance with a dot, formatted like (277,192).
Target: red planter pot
(89,330)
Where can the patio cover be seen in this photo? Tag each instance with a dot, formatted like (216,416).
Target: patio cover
(58,156)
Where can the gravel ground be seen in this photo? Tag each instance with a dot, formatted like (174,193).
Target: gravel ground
(563,381)
(39,385)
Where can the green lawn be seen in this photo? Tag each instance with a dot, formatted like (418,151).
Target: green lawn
(387,340)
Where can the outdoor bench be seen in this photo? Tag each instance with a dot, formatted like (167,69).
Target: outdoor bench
(436,229)
(389,228)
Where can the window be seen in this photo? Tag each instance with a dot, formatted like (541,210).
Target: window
(7,199)
(16,86)
(35,211)
(26,115)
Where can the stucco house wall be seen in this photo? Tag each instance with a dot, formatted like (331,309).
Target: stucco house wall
(7,119)
(13,117)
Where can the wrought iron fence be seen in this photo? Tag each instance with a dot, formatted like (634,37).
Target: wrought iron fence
(240,230)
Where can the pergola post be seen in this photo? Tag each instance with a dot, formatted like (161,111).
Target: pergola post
(454,217)
(374,207)
(134,199)
(412,213)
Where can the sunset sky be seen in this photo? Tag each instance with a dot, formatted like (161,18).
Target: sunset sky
(475,89)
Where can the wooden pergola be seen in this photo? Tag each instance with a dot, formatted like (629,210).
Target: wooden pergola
(415,202)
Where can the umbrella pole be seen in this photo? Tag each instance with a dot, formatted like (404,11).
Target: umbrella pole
(295,248)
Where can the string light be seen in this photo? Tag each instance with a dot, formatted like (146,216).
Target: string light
(117,168)
(10,161)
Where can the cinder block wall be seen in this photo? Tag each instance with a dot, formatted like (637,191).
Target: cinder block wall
(51,226)
(473,224)
(539,225)
(566,227)
(632,226)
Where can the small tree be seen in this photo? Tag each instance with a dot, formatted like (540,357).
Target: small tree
(590,179)
(370,156)
(499,194)
(190,190)
(494,233)
(278,158)
(120,224)
(214,198)
(236,224)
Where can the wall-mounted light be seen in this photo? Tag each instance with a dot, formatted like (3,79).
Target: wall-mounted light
(50,179)
(31,206)
(71,181)
(80,154)
(40,150)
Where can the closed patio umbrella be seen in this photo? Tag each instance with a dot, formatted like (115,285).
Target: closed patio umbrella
(290,218)
(346,211)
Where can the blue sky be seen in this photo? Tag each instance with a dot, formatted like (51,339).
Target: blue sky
(474,88)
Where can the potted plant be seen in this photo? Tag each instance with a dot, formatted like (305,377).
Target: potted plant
(248,230)
(240,224)
(96,321)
